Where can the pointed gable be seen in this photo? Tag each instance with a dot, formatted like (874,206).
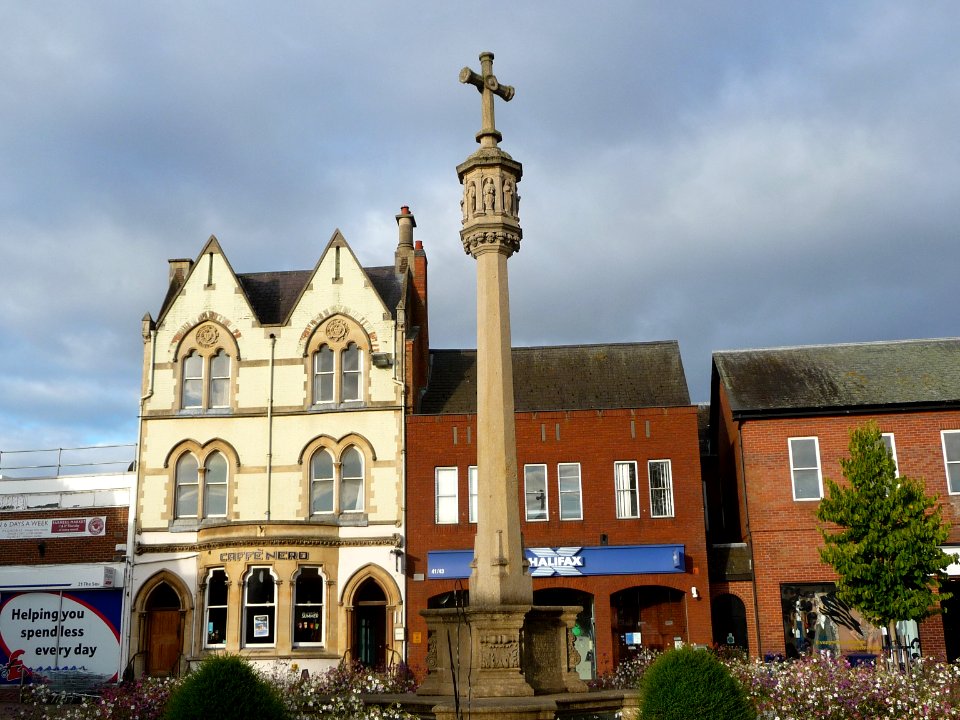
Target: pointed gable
(203,268)
(273,296)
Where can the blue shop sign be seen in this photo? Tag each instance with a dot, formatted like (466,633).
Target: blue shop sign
(571,561)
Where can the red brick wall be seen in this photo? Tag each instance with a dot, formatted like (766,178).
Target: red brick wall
(66,550)
(595,439)
(784,531)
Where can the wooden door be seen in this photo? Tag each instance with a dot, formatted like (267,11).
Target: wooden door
(163,642)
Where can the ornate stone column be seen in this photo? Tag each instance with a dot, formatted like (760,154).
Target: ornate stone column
(499,646)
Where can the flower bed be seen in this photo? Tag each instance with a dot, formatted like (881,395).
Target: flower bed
(815,688)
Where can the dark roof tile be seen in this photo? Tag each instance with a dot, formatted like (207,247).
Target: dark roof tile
(574,377)
(272,294)
(821,377)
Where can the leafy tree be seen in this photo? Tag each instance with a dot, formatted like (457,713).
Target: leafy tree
(886,551)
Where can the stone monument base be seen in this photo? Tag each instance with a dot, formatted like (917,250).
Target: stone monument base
(501,652)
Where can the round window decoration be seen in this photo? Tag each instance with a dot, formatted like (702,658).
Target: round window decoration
(207,336)
(336,330)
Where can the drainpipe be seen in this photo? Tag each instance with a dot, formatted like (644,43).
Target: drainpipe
(746,517)
(403,475)
(273,348)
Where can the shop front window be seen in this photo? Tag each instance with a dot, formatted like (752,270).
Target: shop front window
(308,608)
(259,607)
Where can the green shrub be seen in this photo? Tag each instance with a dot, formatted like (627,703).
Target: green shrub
(691,683)
(225,687)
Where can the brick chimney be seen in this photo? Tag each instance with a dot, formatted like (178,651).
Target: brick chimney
(179,267)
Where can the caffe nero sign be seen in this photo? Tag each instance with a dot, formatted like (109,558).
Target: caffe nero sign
(571,561)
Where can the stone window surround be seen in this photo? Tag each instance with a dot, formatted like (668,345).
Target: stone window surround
(201,453)
(206,339)
(336,448)
(337,332)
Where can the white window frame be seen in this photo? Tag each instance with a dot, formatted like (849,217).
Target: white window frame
(794,468)
(666,492)
(178,486)
(319,375)
(219,378)
(260,608)
(630,494)
(208,607)
(578,492)
(315,481)
(192,358)
(527,492)
(321,608)
(208,485)
(361,499)
(892,447)
(449,477)
(344,373)
(204,380)
(951,466)
(473,494)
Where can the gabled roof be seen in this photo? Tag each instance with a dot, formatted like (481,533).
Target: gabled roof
(825,378)
(273,295)
(572,377)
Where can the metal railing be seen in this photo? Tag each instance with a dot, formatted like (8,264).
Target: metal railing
(58,462)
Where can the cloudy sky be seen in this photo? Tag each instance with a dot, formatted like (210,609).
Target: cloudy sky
(730,175)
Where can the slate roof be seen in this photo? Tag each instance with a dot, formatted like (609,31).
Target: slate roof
(823,378)
(273,294)
(572,377)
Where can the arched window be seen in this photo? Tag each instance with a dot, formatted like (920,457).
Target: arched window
(350,362)
(351,481)
(216,609)
(336,481)
(336,363)
(259,607)
(201,481)
(192,395)
(207,372)
(323,375)
(220,380)
(321,483)
(188,486)
(308,607)
(215,486)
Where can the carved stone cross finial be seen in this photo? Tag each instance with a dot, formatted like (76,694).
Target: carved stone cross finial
(486,82)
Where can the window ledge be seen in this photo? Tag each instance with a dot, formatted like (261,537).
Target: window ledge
(338,407)
(184,525)
(349,519)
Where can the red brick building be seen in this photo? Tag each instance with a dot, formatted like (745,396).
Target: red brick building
(610,501)
(63,566)
(779,423)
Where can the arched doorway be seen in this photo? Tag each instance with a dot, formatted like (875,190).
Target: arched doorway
(368,637)
(729,621)
(583,632)
(164,627)
(648,616)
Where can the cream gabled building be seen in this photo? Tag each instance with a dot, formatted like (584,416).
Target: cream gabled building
(270,478)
